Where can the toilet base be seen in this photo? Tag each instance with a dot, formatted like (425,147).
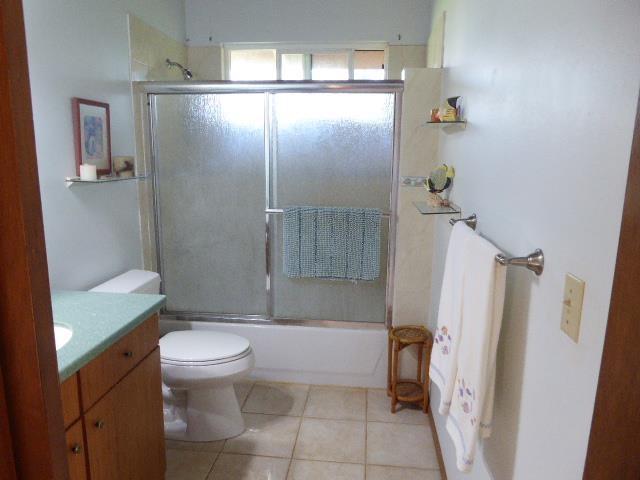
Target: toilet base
(203,415)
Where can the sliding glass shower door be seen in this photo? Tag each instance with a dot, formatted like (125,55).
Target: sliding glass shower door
(331,149)
(210,194)
(227,163)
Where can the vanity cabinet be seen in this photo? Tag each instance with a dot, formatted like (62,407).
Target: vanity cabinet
(76,456)
(120,408)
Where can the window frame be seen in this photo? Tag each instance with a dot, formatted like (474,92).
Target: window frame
(304,49)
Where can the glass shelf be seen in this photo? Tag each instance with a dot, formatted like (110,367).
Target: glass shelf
(71,181)
(425,209)
(449,127)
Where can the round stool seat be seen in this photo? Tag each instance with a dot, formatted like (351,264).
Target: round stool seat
(409,334)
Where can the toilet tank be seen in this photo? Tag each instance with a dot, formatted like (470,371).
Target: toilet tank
(133,281)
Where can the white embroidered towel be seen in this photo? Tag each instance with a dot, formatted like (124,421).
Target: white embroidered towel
(482,305)
(442,369)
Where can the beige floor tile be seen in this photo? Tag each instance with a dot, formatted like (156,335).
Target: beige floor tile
(331,440)
(336,403)
(312,470)
(195,446)
(400,445)
(268,435)
(242,391)
(248,467)
(379,410)
(187,465)
(375,472)
(277,399)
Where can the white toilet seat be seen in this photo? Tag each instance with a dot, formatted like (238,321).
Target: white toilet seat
(198,348)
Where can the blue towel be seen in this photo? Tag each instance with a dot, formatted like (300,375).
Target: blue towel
(331,242)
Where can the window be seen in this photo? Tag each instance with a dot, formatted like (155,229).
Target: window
(293,66)
(368,65)
(294,63)
(330,66)
(259,64)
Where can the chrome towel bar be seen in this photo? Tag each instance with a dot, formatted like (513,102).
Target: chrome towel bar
(471,221)
(533,261)
(276,211)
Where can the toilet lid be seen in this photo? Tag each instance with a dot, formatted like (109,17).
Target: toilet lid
(197,346)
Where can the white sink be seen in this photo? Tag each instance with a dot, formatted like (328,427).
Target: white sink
(63,335)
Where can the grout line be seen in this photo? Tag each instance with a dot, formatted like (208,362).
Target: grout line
(366,429)
(295,443)
(254,455)
(244,402)
(218,455)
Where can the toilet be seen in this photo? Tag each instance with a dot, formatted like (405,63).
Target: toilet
(199,369)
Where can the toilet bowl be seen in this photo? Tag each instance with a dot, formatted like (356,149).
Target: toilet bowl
(198,372)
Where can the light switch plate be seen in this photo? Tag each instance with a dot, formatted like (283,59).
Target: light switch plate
(572,306)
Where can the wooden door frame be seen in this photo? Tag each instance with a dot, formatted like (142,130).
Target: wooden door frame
(30,389)
(614,442)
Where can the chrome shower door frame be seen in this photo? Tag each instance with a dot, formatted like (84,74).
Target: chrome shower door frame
(151,90)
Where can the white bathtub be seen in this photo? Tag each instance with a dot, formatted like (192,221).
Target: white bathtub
(304,354)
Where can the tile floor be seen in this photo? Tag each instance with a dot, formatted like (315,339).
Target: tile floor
(302,432)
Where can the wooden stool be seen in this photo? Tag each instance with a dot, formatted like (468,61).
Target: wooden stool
(402,390)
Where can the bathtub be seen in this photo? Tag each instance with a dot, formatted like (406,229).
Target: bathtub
(318,355)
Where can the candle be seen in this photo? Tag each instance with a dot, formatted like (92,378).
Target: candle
(88,172)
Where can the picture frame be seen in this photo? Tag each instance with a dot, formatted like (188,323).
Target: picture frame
(92,132)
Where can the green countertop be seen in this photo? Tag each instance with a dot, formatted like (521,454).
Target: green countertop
(97,320)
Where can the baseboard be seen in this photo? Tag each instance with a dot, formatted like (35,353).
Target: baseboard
(436,442)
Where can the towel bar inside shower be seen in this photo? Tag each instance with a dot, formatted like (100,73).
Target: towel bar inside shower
(534,261)
(280,210)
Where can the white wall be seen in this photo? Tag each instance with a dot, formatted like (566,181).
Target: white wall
(307,21)
(551,89)
(81,48)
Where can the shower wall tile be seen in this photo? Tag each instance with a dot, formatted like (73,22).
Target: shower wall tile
(149,50)
(401,57)
(418,156)
(205,62)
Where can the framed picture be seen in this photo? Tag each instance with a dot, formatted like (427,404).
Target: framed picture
(92,134)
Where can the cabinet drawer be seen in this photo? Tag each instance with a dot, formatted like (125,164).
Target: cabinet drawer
(76,452)
(102,373)
(70,400)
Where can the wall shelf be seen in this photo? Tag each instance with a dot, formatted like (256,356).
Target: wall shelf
(72,181)
(426,209)
(448,126)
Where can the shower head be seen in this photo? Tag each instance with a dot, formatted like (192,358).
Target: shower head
(186,73)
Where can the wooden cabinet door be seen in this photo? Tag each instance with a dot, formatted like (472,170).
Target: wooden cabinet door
(140,422)
(102,437)
(125,429)
(76,452)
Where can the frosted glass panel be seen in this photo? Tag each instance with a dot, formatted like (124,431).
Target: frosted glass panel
(211,191)
(333,149)
(319,299)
